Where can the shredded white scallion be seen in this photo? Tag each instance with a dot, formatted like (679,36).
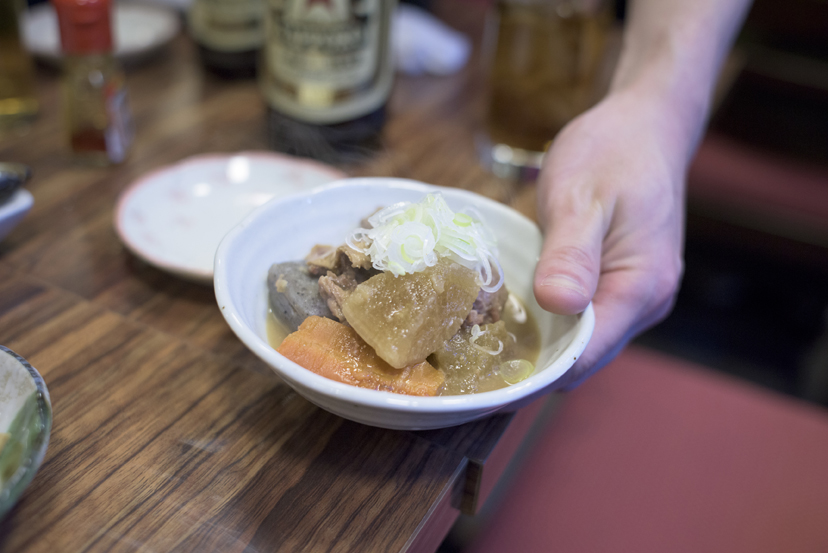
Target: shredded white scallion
(477,333)
(516,308)
(407,237)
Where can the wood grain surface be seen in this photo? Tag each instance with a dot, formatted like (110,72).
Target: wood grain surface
(168,433)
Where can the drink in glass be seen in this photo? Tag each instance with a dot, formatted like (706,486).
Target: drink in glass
(546,67)
(18,102)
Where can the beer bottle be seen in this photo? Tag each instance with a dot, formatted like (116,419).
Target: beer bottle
(229,34)
(327,76)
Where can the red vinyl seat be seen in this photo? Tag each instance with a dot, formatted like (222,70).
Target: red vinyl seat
(654,454)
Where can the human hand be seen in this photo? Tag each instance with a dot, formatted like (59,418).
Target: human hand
(611,202)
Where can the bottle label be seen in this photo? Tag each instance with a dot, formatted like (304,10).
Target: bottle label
(228,25)
(327,61)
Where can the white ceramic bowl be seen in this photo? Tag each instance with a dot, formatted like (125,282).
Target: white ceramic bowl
(285,229)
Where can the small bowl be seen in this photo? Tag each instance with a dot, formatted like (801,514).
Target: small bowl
(285,230)
(14,209)
(25,422)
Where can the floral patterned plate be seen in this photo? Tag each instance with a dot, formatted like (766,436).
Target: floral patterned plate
(175,217)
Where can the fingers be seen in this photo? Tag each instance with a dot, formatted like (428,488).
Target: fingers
(567,272)
(626,303)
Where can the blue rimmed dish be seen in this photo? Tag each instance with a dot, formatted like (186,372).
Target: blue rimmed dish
(25,424)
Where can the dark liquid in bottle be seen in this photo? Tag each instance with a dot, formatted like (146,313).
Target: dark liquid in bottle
(88,140)
(229,65)
(348,142)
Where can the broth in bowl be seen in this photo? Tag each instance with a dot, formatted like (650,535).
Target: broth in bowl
(413,302)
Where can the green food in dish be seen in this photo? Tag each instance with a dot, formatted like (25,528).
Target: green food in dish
(26,414)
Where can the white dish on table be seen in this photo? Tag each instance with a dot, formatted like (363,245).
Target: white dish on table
(286,229)
(13,210)
(139,30)
(25,424)
(175,217)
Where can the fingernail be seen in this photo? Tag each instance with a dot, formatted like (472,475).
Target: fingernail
(563,281)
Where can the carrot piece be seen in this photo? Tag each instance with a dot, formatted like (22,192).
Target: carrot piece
(336,351)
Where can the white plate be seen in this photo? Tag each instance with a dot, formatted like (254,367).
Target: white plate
(175,217)
(139,30)
(13,210)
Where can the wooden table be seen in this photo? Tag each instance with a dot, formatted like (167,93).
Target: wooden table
(168,433)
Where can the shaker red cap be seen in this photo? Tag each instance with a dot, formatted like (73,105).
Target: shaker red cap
(85,25)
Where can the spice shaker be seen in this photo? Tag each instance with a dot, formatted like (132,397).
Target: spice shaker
(94,88)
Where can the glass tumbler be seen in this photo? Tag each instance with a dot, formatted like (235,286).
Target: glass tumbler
(546,62)
(18,101)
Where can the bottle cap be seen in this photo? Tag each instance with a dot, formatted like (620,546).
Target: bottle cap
(85,26)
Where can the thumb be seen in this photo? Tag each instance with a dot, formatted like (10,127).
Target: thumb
(567,272)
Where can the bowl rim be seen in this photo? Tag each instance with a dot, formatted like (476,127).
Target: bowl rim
(295,373)
(21,480)
(20,201)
